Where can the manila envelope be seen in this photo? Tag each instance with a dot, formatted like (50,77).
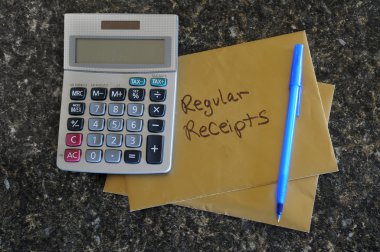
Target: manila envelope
(258,203)
(230,121)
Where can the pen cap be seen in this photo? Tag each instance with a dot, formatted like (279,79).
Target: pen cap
(296,73)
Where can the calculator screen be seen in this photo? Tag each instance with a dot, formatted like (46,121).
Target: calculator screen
(120,51)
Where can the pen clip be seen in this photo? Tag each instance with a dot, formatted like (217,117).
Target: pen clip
(298,111)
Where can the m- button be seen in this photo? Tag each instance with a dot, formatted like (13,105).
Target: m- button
(98,94)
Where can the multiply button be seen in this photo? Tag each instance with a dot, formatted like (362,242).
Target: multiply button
(72,155)
(76,108)
(137,81)
(78,93)
(98,94)
(158,82)
(154,146)
(117,94)
(73,139)
(157,95)
(156,110)
(75,124)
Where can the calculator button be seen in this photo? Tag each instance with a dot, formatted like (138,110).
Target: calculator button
(112,156)
(133,141)
(97,108)
(154,146)
(98,94)
(78,93)
(156,125)
(132,156)
(157,95)
(116,109)
(115,124)
(134,125)
(135,109)
(93,156)
(158,82)
(136,94)
(72,155)
(117,94)
(137,81)
(76,108)
(96,124)
(75,124)
(156,110)
(94,140)
(114,140)
(74,139)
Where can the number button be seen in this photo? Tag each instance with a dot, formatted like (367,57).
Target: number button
(98,94)
(133,141)
(97,108)
(115,124)
(132,156)
(156,110)
(93,156)
(154,146)
(117,94)
(135,109)
(112,156)
(158,82)
(114,140)
(137,81)
(157,95)
(134,125)
(156,125)
(78,93)
(75,124)
(116,109)
(96,124)
(76,108)
(136,94)
(94,140)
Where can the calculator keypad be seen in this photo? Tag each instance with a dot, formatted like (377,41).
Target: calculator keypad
(115,119)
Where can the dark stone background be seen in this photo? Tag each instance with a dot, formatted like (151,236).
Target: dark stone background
(45,209)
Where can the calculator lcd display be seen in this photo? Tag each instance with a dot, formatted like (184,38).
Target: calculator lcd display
(120,51)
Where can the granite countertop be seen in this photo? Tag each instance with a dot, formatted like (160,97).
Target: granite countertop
(43,208)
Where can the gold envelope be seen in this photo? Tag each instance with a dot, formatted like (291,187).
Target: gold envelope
(258,203)
(229,161)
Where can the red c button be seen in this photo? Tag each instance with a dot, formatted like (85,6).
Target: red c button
(73,139)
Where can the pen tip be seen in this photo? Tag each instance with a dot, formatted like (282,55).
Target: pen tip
(278,218)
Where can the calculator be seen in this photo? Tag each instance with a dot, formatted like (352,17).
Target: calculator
(119,92)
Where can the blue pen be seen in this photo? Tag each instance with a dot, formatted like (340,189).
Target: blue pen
(295,90)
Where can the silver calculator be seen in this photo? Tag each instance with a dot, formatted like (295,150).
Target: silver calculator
(119,91)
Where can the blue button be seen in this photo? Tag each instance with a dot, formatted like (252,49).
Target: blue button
(158,82)
(137,81)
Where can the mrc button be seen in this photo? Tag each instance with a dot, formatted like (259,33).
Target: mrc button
(78,93)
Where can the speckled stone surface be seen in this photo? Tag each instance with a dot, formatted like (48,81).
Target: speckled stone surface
(45,209)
